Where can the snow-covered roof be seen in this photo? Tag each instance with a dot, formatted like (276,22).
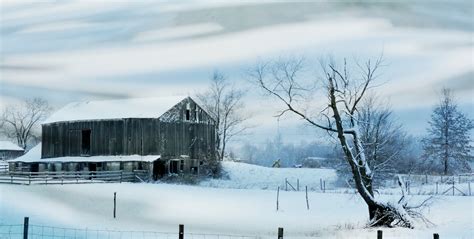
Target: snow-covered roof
(7,145)
(115,109)
(34,155)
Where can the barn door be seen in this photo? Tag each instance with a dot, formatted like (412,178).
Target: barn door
(86,142)
(74,142)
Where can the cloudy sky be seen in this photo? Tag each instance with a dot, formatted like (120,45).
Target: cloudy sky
(81,50)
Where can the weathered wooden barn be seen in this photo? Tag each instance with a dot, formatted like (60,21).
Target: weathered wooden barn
(167,135)
(9,150)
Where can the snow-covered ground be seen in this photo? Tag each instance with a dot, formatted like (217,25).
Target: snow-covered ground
(236,205)
(247,176)
(161,207)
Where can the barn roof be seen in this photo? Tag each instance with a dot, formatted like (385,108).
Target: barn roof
(115,109)
(7,145)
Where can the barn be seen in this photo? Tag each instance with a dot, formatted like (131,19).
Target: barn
(164,135)
(9,150)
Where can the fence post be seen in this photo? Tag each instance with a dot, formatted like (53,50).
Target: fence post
(286,184)
(436,188)
(298,184)
(29,179)
(25,227)
(469,187)
(321,184)
(324,186)
(278,195)
(307,202)
(280,233)
(11,178)
(453,187)
(181,231)
(426,178)
(379,234)
(121,176)
(115,202)
(435,236)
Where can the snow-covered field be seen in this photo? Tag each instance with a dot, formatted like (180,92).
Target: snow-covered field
(225,210)
(247,176)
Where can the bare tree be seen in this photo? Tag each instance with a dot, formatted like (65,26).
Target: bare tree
(20,121)
(448,140)
(224,103)
(339,117)
(385,141)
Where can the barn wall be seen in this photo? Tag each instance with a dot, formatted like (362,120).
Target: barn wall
(186,129)
(130,136)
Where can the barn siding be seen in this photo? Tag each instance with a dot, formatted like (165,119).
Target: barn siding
(170,136)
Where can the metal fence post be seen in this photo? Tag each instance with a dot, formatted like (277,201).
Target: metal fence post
(278,195)
(307,202)
(379,234)
(115,202)
(280,233)
(25,227)
(181,231)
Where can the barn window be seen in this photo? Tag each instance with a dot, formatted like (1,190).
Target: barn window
(197,115)
(188,114)
(173,166)
(188,111)
(86,141)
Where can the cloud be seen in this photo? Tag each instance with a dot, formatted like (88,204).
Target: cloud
(145,49)
(132,59)
(177,32)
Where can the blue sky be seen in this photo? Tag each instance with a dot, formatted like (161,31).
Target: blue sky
(80,50)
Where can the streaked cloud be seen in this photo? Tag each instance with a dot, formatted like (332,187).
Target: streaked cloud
(72,50)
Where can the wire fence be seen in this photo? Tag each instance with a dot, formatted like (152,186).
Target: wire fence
(33,231)
(460,185)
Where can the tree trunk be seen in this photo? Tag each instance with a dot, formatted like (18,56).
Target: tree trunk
(379,213)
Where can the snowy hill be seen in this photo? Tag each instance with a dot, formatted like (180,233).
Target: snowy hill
(248,176)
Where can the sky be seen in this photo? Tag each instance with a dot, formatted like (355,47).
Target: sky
(67,51)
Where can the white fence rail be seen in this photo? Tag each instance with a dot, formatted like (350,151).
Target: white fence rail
(74,177)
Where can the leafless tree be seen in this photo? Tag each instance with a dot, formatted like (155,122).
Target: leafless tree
(385,141)
(282,80)
(223,101)
(20,121)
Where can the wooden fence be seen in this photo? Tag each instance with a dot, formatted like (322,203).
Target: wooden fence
(3,168)
(73,177)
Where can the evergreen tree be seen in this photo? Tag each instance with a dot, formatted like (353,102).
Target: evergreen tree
(448,141)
